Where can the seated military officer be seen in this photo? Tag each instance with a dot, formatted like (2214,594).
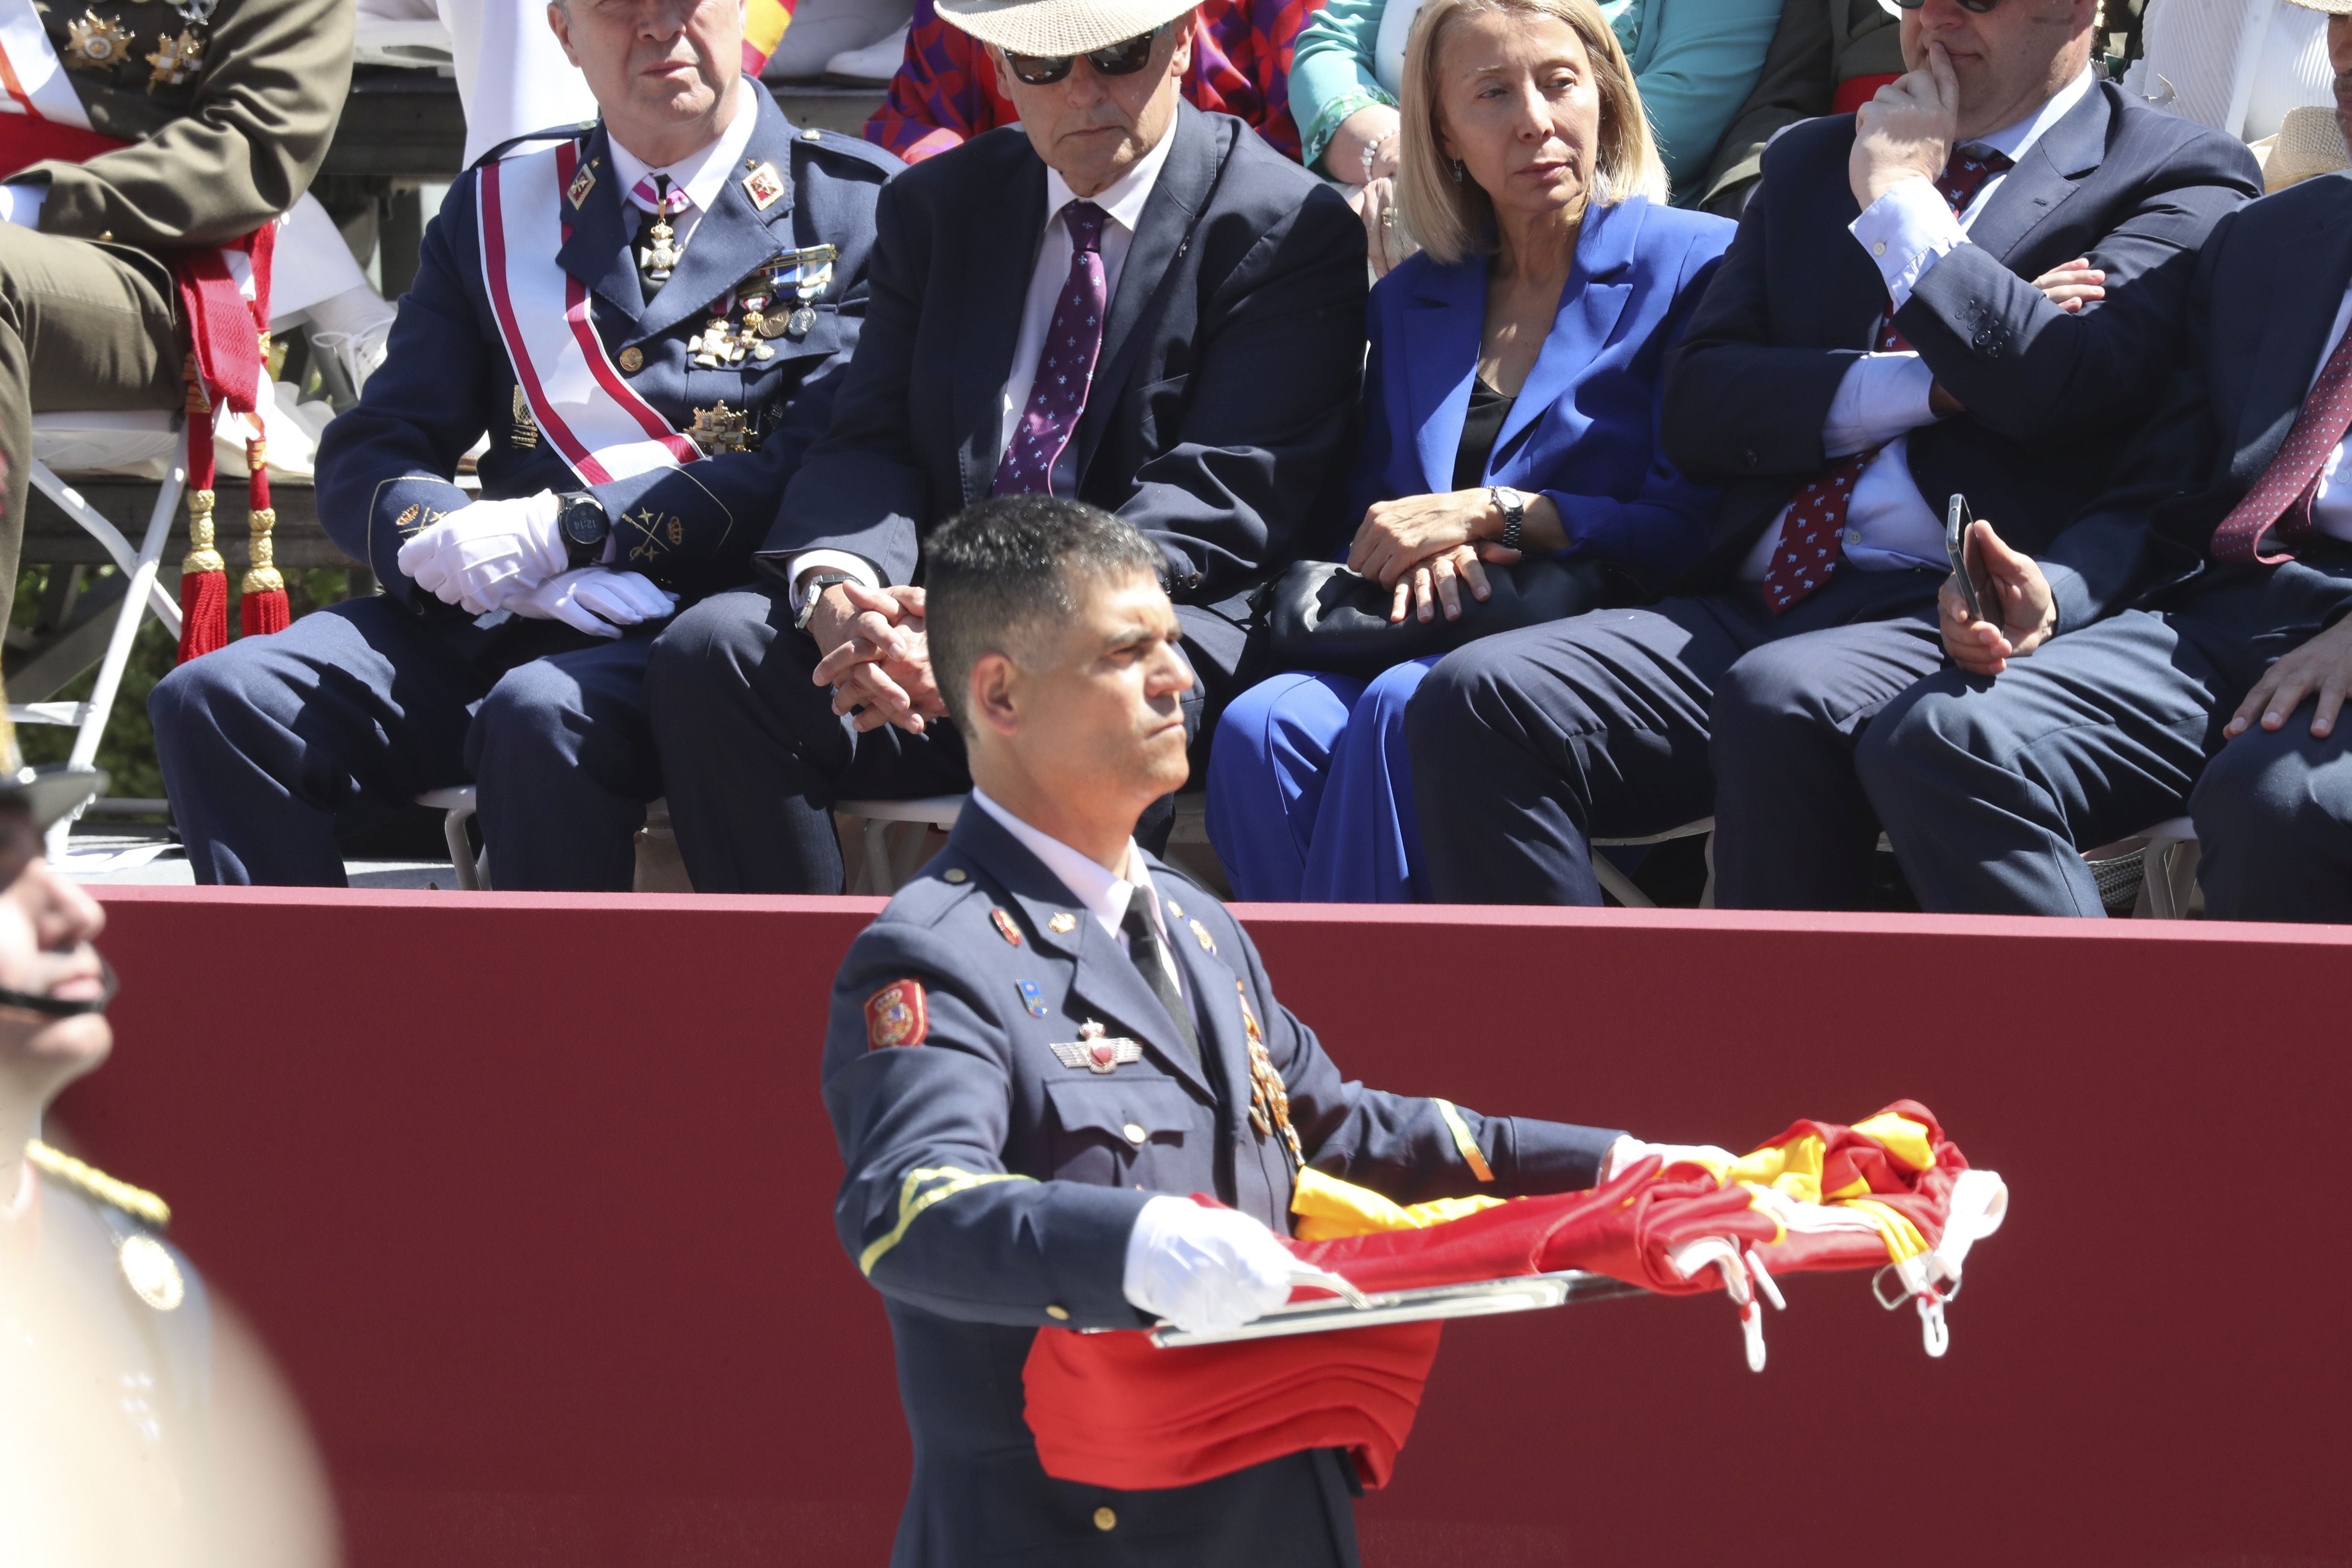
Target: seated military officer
(648,318)
(1050,1038)
(1122,299)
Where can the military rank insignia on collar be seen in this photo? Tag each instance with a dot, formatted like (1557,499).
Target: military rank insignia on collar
(582,184)
(1063,924)
(1207,942)
(764,186)
(897,1016)
(1004,926)
(1031,997)
(1096,1054)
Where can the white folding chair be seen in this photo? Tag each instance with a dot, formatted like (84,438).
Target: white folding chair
(2169,874)
(61,438)
(1619,886)
(456,803)
(880,877)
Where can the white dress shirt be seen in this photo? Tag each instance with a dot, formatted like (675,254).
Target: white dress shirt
(1889,525)
(701,175)
(1122,201)
(1104,892)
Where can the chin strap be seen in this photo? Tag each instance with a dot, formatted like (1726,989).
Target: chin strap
(57,1008)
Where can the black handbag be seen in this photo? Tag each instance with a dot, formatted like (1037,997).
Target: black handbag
(1320,616)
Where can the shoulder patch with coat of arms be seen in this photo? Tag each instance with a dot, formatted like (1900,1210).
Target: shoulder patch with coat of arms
(897,1016)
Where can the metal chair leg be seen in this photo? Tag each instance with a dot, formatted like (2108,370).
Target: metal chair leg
(1617,885)
(473,874)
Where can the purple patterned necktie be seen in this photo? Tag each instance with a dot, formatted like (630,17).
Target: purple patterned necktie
(1065,367)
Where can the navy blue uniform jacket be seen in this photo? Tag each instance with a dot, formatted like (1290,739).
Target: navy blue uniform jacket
(2050,397)
(447,377)
(991,1188)
(1221,414)
(2268,286)
(1584,428)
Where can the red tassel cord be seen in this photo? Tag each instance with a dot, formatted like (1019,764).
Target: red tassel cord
(262,607)
(204,575)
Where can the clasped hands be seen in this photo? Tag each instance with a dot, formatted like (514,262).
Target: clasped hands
(1426,548)
(875,656)
(509,556)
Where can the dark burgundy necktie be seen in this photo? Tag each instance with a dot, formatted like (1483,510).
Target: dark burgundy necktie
(1065,366)
(1810,539)
(2283,494)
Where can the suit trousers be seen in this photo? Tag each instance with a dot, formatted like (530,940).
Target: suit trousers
(1621,723)
(1992,788)
(757,757)
(82,326)
(274,746)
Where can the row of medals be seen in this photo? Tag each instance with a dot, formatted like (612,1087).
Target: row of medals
(724,341)
(96,43)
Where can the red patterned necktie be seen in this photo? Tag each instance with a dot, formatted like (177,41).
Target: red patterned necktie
(1810,539)
(2284,493)
(1065,367)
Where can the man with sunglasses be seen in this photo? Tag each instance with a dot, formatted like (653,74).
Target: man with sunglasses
(1972,286)
(1122,300)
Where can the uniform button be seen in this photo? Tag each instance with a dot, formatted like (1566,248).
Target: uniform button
(1105,1520)
(633,360)
(1749,457)
(1134,1134)
(953,874)
(1058,1313)
(1878,249)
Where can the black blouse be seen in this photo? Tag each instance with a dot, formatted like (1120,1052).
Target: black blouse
(1480,430)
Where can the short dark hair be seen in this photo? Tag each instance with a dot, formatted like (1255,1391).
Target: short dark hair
(997,570)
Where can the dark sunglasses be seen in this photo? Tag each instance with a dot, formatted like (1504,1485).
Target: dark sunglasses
(1123,59)
(1979,6)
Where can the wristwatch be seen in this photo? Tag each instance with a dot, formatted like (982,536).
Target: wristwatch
(1514,508)
(584,525)
(813,590)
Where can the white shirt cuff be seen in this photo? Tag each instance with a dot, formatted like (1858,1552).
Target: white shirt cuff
(21,204)
(1906,232)
(1883,396)
(857,567)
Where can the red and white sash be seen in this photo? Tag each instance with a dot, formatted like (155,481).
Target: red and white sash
(51,122)
(592,416)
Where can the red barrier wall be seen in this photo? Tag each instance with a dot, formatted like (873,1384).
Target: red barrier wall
(531,1195)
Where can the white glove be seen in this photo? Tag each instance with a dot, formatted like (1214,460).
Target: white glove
(1627,1152)
(580,597)
(478,554)
(1206,1271)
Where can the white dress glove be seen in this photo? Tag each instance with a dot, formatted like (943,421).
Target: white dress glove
(1626,1151)
(1206,1271)
(480,554)
(596,600)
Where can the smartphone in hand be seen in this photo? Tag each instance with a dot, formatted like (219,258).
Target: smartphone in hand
(1961,545)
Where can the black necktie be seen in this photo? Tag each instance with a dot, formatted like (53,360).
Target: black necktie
(1144,946)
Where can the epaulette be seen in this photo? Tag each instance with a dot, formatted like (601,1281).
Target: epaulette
(137,1201)
(817,139)
(553,133)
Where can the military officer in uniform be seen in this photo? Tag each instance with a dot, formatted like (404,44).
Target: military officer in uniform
(139,1425)
(648,317)
(131,133)
(1049,1038)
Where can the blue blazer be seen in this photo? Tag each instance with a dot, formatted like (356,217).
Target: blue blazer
(1585,430)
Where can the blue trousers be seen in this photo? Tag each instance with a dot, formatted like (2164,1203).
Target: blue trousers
(1621,723)
(274,746)
(1311,790)
(1991,789)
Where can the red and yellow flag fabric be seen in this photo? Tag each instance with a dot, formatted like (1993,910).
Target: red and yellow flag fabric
(764,22)
(1113,1410)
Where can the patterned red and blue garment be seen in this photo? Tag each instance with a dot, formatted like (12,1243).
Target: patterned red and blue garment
(946,91)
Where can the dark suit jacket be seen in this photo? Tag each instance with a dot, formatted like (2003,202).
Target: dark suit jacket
(2267,289)
(2051,397)
(1583,429)
(447,377)
(1223,396)
(991,1187)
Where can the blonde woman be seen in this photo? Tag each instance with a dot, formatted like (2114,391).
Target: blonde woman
(1510,408)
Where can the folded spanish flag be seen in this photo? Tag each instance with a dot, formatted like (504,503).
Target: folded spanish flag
(1114,1410)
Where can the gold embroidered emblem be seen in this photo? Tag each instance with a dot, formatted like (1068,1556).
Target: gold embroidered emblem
(720,429)
(654,533)
(407,521)
(764,186)
(1062,924)
(582,184)
(175,60)
(633,360)
(96,43)
(526,429)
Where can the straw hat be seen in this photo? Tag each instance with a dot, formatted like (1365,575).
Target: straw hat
(2309,142)
(1063,26)
(47,793)
(2333,7)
